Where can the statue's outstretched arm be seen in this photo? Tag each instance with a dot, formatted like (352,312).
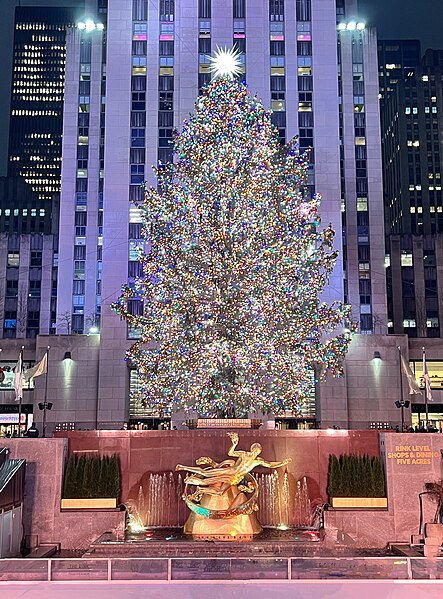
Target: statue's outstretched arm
(274,464)
(234,439)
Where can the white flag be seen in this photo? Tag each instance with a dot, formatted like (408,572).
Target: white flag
(427,379)
(412,383)
(18,380)
(37,370)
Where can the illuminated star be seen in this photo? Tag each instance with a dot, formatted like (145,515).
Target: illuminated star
(225,63)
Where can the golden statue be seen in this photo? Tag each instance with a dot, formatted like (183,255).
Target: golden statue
(219,493)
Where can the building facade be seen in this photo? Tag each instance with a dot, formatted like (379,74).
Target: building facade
(412,122)
(37,98)
(397,60)
(133,73)
(28,285)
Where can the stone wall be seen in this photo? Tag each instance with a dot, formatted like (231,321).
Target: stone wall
(43,484)
(410,461)
(161,451)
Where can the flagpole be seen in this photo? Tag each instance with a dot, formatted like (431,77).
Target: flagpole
(426,388)
(46,392)
(401,372)
(21,394)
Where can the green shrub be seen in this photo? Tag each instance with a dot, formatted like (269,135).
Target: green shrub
(92,477)
(114,477)
(334,476)
(356,476)
(70,482)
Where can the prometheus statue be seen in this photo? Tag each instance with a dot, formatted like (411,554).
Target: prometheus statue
(220,490)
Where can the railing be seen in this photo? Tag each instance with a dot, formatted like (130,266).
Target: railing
(219,569)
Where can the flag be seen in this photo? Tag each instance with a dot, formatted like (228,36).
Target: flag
(426,378)
(18,380)
(37,370)
(412,383)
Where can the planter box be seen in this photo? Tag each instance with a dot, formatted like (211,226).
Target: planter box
(434,531)
(88,504)
(368,503)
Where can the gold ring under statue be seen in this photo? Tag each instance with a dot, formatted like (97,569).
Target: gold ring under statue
(245,508)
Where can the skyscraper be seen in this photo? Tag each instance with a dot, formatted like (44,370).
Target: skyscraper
(37,98)
(412,122)
(132,79)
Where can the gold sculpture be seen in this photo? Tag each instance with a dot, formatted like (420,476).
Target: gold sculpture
(219,504)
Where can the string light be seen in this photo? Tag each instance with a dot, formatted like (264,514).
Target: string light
(230,315)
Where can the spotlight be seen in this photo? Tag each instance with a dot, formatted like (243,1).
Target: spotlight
(90,25)
(341,26)
(351,26)
(67,356)
(81,25)
(361,26)
(377,355)
(100,26)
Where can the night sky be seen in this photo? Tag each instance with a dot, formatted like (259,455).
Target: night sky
(394,19)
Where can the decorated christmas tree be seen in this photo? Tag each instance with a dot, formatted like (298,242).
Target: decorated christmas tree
(235,262)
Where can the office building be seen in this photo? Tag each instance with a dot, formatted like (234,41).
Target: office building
(397,60)
(37,98)
(133,74)
(412,147)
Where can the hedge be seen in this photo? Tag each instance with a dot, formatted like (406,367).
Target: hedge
(356,476)
(87,477)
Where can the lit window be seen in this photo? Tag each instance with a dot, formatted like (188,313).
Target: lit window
(362,204)
(406,259)
(134,250)
(409,324)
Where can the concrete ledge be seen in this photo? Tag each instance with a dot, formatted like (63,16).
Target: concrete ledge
(90,503)
(360,503)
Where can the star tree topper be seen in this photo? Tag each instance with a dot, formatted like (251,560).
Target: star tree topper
(225,63)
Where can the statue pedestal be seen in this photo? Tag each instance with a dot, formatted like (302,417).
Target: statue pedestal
(241,527)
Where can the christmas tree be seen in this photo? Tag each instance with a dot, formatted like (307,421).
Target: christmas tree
(234,265)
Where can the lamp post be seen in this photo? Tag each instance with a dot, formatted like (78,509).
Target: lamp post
(44,405)
(402,404)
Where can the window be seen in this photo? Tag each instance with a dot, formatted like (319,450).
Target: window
(139,10)
(11,288)
(137,174)
(13,259)
(239,7)
(167,10)
(276,10)
(303,8)
(79,252)
(36,259)
(204,9)
(134,249)
(35,288)
(138,138)
(78,287)
(140,31)
(406,259)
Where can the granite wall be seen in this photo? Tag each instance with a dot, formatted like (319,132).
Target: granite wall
(410,460)
(42,517)
(160,451)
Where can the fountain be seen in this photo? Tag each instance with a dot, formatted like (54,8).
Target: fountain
(157,504)
(282,502)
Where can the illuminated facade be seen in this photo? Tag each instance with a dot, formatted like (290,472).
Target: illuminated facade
(37,97)
(131,82)
(413,152)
